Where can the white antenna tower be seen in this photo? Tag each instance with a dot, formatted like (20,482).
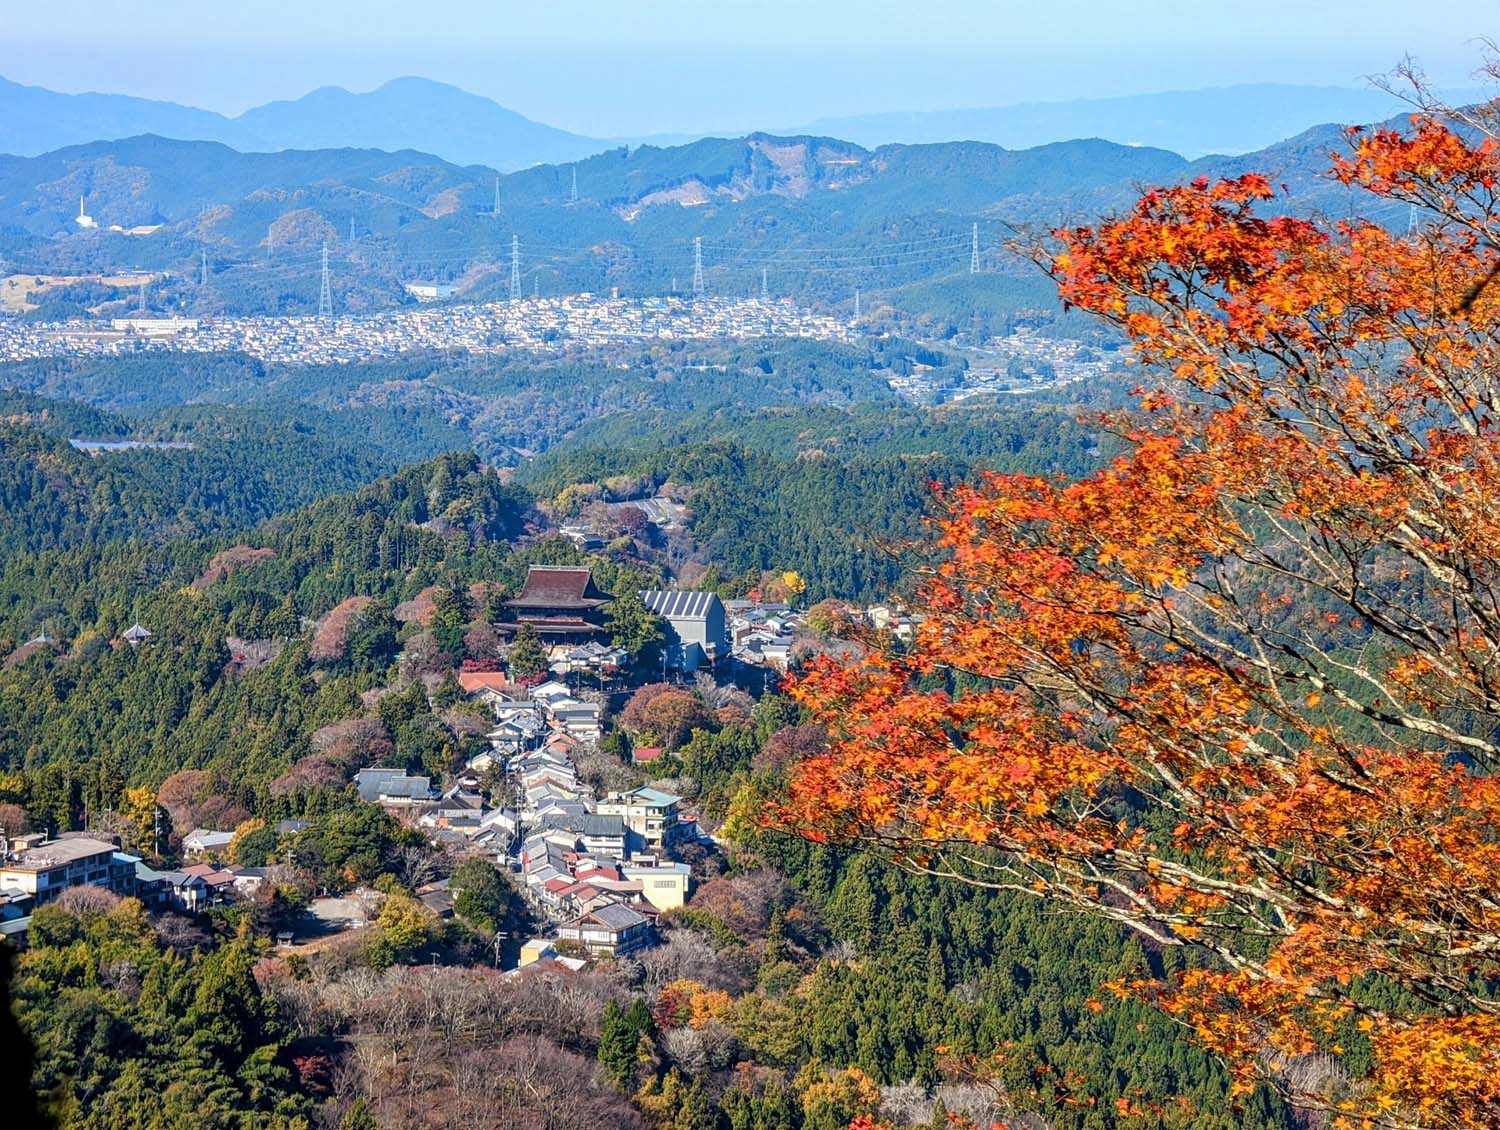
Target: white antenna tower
(856,304)
(697,266)
(974,252)
(203,266)
(765,288)
(325,293)
(573,197)
(497,195)
(515,268)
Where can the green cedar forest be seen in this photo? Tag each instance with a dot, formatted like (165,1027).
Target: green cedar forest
(312,570)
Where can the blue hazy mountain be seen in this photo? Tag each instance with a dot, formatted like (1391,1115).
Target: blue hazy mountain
(1230,119)
(34,120)
(410,113)
(406,113)
(467,129)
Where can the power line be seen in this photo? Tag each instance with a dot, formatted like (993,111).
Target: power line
(325,292)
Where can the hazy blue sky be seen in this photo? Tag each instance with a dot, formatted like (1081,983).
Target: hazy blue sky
(622,67)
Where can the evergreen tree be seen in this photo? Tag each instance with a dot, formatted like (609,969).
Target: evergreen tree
(480,896)
(635,627)
(449,621)
(359,1117)
(617,1045)
(527,657)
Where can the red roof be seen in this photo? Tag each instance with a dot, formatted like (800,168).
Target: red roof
(558,884)
(642,754)
(210,874)
(473,681)
(597,872)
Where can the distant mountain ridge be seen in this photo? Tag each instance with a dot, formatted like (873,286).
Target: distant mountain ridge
(405,113)
(468,129)
(818,215)
(1195,123)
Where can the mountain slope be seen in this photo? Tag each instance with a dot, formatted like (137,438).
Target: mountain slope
(409,113)
(402,114)
(820,216)
(1231,119)
(149,179)
(34,120)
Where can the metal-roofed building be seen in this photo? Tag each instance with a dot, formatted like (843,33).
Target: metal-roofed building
(696,635)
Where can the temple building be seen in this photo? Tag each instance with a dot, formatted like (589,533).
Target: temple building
(561,602)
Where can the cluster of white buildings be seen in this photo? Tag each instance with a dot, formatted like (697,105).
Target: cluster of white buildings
(1023,361)
(597,869)
(762,634)
(532,324)
(35,870)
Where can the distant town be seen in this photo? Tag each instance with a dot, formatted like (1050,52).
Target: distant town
(532,324)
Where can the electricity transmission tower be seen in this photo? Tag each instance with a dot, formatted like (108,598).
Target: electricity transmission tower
(325,293)
(497,195)
(765,288)
(856,304)
(202,266)
(351,227)
(573,196)
(141,297)
(697,266)
(515,268)
(974,252)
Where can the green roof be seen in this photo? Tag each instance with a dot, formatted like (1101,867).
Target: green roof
(647,795)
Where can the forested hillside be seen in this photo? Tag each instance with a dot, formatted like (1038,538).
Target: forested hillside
(819,215)
(796,984)
(225,471)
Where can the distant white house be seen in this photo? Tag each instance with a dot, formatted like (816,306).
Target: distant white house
(206,841)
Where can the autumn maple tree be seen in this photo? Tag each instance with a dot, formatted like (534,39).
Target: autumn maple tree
(1240,689)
